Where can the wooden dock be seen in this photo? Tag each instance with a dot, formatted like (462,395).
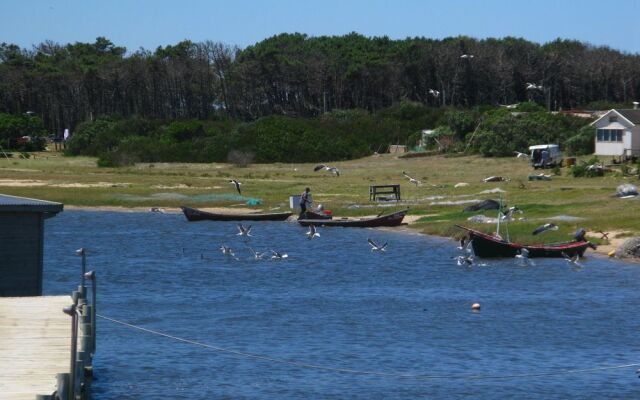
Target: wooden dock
(35,345)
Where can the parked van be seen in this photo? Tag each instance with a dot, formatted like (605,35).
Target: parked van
(545,156)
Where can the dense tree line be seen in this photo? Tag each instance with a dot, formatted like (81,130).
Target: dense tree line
(296,75)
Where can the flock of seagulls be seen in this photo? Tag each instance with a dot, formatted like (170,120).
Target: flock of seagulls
(327,168)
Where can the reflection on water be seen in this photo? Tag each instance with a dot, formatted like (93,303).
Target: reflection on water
(335,303)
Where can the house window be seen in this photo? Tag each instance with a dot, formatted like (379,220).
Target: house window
(609,135)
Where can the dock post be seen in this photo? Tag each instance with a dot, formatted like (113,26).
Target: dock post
(62,383)
(82,254)
(92,276)
(73,313)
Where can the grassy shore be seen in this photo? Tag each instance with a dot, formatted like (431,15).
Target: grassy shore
(77,181)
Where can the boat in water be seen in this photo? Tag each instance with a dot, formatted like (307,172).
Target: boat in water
(193,214)
(493,245)
(393,219)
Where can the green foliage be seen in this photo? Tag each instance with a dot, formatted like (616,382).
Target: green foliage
(581,144)
(529,106)
(14,127)
(583,170)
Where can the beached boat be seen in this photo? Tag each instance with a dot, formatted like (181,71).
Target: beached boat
(486,245)
(393,219)
(194,214)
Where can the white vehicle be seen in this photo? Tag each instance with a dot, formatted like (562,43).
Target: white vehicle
(545,156)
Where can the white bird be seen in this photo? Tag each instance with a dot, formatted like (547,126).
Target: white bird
(278,256)
(464,260)
(466,246)
(411,180)
(242,231)
(156,210)
(226,250)
(375,246)
(256,255)
(434,92)
(466,56)
(574,261)
(545,227)
(236,184)
(333,170)
(523,255)
(508,215)
(521,155)
(533,86)
(312,232)
(510,106)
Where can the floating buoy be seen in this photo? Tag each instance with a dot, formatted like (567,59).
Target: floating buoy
(475,306)
(612,253)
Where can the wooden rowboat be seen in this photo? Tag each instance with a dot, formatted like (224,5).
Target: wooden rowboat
(393,219)
(194,214)
(486,245)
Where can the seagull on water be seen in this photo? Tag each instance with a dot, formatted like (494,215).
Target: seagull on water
(574,261)
(467,260)
(412,180)
(256,255)
(521,155)
(375,246)
(312,232)
(434,93)
(328,168)
(523,255)
(545,227)
(227,251)
(236,184)
(242,231)
(278,256)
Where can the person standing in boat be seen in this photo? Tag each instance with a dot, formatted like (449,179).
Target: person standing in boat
(305,200)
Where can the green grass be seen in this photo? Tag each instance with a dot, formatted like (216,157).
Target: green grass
(588,198)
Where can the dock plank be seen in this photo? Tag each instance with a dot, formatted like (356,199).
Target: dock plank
(35,340)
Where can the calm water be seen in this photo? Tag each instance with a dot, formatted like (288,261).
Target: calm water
(337,304)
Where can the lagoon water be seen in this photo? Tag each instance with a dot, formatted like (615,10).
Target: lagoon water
(336,304)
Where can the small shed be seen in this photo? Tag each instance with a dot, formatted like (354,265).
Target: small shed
(22,244)
(617,133)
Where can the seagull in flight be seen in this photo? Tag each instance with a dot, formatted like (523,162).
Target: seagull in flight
(434,93)
(411,180)
(375,246)
(333,170)
(467,56)
(545,227)
(236,184)
(466,246)
(312,232)
(242,231)
(521,155)
(278,256)
(533,86)
(508,215)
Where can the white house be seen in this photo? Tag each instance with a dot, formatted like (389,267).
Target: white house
(618,133)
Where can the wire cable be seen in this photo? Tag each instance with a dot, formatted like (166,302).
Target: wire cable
(401,375)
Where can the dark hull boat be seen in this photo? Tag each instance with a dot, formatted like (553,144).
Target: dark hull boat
(194,214)
(393,219)
(485,245)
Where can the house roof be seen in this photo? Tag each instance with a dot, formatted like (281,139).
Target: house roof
(632,115)
(24,204)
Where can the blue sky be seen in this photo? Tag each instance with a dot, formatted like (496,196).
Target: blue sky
(152,23)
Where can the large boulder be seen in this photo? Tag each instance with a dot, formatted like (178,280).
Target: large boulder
(629,249)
